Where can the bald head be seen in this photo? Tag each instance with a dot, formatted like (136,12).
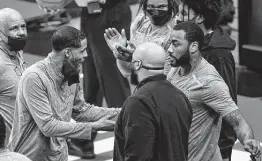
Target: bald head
(12,25)
(7,16)
(151,54)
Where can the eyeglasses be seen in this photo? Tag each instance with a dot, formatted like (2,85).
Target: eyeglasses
(137,64)
(19,71)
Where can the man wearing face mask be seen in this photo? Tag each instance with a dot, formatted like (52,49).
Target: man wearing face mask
(155,120)
(217,51)
(49,95)
(13,36)
(208,94)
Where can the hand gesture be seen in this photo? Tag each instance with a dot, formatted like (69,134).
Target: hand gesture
(125,53)
(253,147)
(104,124)
(113,38)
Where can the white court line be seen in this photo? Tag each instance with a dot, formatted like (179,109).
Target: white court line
(72,158)
(104,145)
(238,155)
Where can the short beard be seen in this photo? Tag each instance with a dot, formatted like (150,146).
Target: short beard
(134,78)
(71,74)
(184,60)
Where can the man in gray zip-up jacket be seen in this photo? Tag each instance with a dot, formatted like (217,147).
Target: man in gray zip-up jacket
(48,96)
(13,36)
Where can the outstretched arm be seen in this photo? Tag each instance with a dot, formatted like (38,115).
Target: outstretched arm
(244,132)
(37,102)
(216,96)
(85,112)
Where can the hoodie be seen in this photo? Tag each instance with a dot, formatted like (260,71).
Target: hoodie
(216,50)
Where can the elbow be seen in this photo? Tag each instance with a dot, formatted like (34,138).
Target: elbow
(46,133)
(48,128)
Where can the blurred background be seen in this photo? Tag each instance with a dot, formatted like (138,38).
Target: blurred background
(245,30)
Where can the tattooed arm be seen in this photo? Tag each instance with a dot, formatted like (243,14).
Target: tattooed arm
(241,127)
(244,132)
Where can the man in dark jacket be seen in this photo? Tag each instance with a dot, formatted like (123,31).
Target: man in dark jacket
(154,122)
(217,51)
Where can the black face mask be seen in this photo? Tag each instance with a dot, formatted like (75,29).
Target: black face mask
(159,17)
(71,71)
(184,60)
(134,78)
(16,44)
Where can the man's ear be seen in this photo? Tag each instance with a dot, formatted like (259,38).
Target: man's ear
(67,52)
(193,47)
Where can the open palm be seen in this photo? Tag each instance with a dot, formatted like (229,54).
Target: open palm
(113,38)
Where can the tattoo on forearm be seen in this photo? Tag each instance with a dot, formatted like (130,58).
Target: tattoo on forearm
(241,127)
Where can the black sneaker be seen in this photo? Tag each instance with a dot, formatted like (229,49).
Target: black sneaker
(89,155)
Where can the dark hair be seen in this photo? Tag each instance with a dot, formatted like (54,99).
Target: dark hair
(193,32)
(211,10)
(65,37)
(171,5)
(2,132)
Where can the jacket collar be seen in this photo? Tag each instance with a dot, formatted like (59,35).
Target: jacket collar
(151,79)
(9,53)
(54,73)
(219,38)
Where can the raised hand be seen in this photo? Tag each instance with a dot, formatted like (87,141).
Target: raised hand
(113,38)
(125,53)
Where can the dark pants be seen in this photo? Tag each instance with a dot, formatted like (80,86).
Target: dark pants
(227,140)
(100,69)
(103,72)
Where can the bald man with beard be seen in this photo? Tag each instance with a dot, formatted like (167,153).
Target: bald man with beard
(155,120)
(13,36)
